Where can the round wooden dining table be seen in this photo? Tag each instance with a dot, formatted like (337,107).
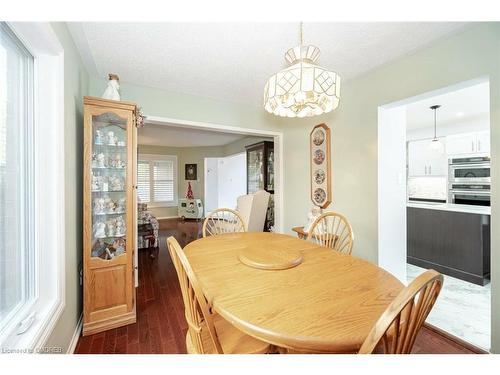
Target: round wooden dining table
(326,302)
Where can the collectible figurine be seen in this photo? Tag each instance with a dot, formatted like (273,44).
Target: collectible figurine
(99,140)
(111,227)
(121,205)
(115,183)
(119,162)
(96,186)
(112,139)
(110,206)
(113,90)
(311,217)
(101,160)
(119,246)
(99,230)
(108,255)
(99,249)
(120,226)
(99,205)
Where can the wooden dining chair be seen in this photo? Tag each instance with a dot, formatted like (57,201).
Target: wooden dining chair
(208,333)
(332,229)
(223,220)
(399,325)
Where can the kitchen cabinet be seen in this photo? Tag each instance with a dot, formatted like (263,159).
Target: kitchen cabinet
(456,244)
(423,161)
(483,142)
(109,214)
(468,143)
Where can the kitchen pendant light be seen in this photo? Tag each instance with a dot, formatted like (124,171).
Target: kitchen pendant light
(436,145)
(303,89)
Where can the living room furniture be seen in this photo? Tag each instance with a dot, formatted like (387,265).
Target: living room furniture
(221,221)
(147,230)
(260,174)
(190,208)
(146,233)
(207,333)
(405,316)
(109,214)
(328,303)
(253,209)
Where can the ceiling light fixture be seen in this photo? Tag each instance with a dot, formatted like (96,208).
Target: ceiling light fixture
(436,145)
(303,89)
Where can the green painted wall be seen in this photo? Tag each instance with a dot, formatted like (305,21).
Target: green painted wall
(75,87)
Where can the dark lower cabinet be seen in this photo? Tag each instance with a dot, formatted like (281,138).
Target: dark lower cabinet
(453,243)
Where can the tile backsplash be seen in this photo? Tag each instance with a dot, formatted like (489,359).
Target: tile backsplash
(427,187)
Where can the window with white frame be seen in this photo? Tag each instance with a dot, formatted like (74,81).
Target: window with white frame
(17,271)
(32,221)
(157,180)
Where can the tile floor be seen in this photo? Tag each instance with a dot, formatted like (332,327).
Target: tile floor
(462,309)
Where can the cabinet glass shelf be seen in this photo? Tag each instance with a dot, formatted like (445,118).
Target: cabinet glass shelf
(108,213)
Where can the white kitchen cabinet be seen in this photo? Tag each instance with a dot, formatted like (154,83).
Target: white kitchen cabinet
(468,143)
(460,144)
(423,161)
(483,142)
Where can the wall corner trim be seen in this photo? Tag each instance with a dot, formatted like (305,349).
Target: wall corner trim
(76,336)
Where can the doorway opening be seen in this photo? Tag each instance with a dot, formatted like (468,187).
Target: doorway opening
(434,192)
(225,181)
(179,192)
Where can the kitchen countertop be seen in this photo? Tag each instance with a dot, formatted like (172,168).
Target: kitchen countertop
(480,210)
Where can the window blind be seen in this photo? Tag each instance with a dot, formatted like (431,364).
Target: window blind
(143,181)
(156,179)
(163,181)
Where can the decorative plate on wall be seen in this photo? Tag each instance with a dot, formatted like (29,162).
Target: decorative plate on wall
(321,194)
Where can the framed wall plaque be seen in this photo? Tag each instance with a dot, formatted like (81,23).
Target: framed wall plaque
(321,194)
(190,172)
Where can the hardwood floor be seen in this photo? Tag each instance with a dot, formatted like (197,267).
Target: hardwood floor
(161,326)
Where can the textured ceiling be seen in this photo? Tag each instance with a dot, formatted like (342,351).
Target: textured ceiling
(466,104)
(232,61)
(170,135)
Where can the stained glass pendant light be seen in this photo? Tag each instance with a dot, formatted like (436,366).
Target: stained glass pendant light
(303,89)
(436,145)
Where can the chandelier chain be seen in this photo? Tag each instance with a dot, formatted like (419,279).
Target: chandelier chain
(301,33)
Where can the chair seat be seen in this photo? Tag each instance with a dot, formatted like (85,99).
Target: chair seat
(232,340)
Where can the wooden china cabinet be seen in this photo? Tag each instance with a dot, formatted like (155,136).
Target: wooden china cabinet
(110,210)
(260,174)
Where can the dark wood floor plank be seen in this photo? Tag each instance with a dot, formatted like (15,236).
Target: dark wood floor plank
(109,341)
(161,326)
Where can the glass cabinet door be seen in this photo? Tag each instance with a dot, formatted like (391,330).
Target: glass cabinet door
(109,186)
(270,171)
(255,170)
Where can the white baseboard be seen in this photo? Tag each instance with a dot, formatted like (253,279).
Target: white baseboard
(167,217)
(76,336)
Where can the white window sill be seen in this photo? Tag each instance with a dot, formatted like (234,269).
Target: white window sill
(33,340)
(162,204)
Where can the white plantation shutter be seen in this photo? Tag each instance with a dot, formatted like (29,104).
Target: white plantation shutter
(143,181)
(157,180)
(163,176)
